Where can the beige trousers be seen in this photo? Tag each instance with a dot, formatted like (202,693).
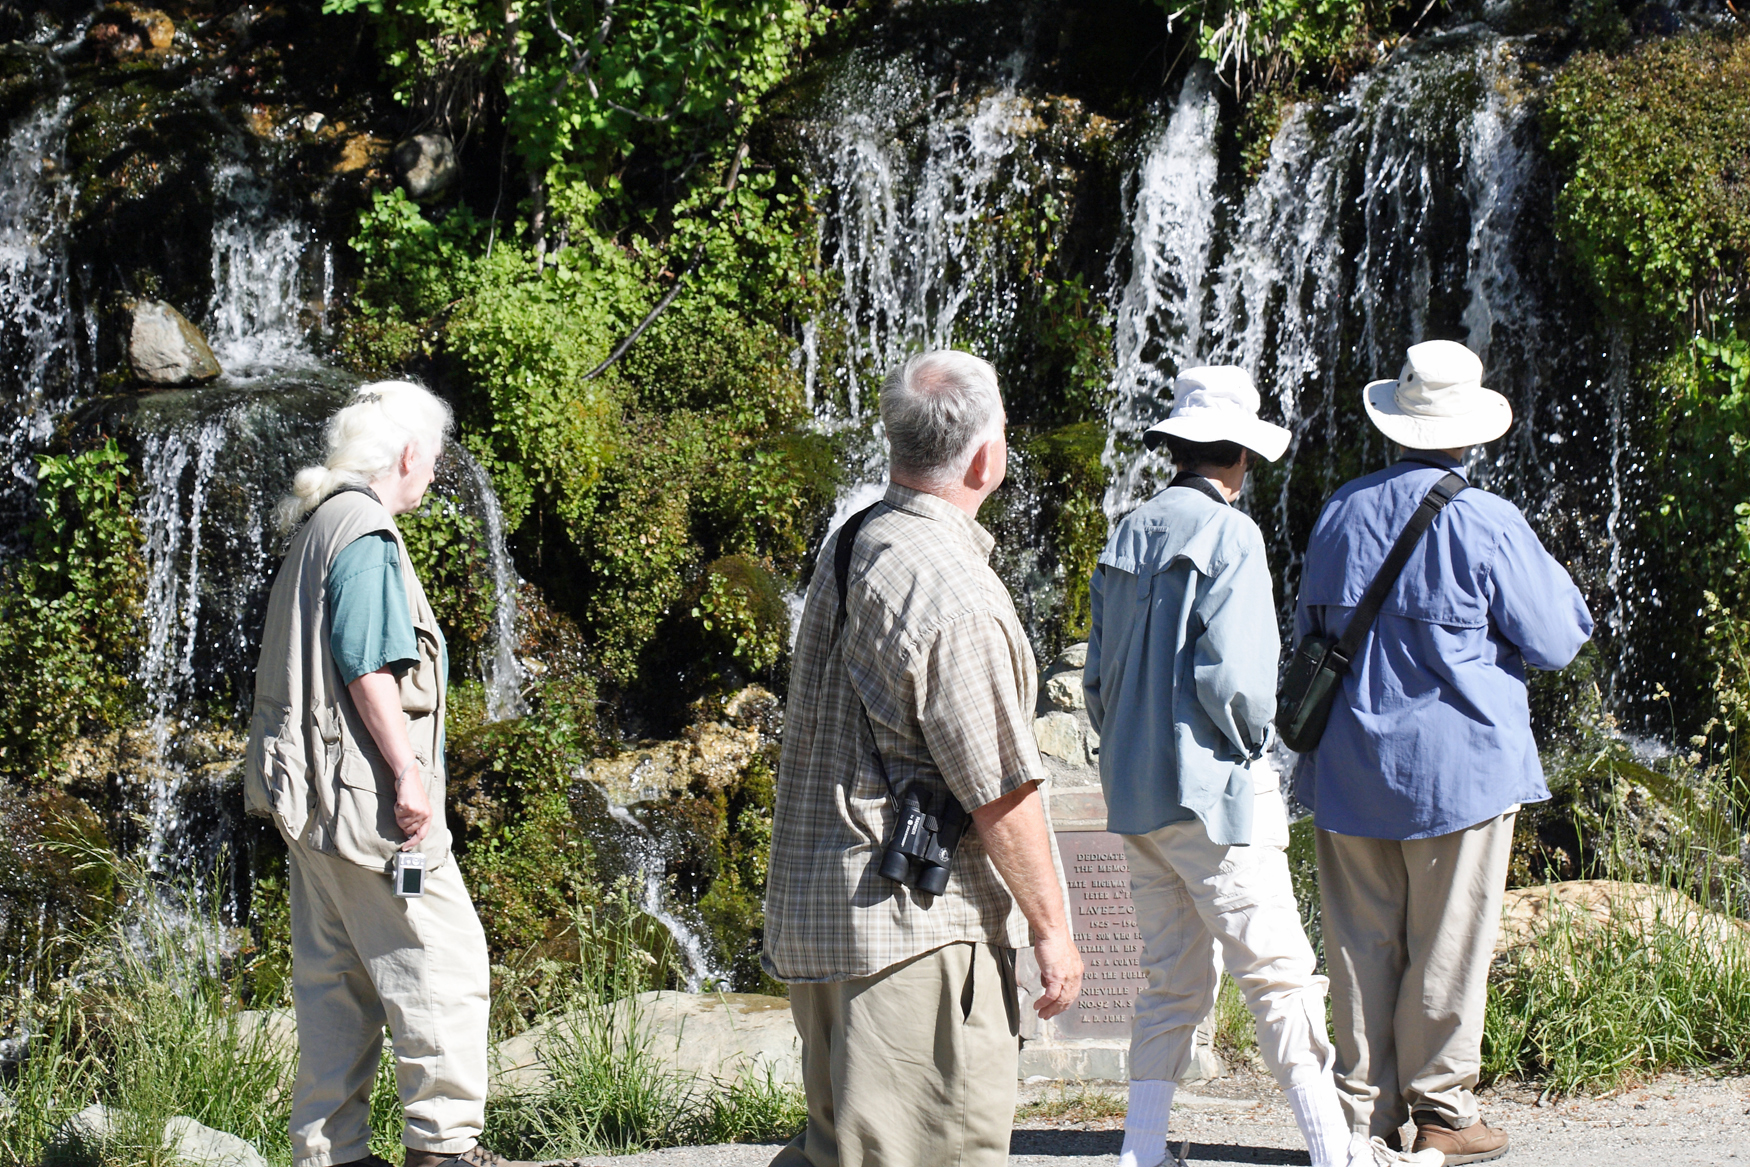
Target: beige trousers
(1409,933)
(362,958)
(912,1067)
(1200,905)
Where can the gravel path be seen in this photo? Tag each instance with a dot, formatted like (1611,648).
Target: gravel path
(1673,1121)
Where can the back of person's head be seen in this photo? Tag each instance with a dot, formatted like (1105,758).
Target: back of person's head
(366,440)
(1189,455)
(938,408)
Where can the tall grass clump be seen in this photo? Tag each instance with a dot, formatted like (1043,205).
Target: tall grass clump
(1660,979)
(148,1025)
(607,1089)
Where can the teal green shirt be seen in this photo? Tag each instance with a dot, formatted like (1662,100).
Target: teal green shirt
(371,624)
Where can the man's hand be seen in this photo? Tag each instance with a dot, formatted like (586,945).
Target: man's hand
(412,807)
(1060,973)
(378,700)
(1013,831)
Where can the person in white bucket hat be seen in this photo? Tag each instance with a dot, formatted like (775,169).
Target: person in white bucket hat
(1438,401)
(1427,753)
(1181,685)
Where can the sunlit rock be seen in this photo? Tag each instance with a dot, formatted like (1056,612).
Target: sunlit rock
(1065,691)
(164,348)
(426,164)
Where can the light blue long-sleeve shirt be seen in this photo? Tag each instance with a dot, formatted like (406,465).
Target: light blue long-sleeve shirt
(1181,672)
(1431,732)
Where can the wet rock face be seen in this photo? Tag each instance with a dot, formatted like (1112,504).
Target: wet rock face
(165,349)
(125,31)
(426,164)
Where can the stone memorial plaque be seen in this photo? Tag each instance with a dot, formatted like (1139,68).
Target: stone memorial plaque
(1103,921)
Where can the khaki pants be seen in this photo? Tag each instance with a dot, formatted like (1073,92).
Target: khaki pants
(1409,933)
(1191,893)
(362,958)
(912,1067)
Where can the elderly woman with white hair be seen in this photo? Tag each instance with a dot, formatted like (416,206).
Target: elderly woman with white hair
(346,757)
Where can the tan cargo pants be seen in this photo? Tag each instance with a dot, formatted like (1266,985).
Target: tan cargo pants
(362,958)
(910,1067)
(1200,905)
(1410,930)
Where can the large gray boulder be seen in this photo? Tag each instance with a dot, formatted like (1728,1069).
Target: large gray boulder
(426,164)
(164,348)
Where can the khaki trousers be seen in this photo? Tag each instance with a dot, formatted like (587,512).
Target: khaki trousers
(912,1067)
(362,958)
(1199,905)
(1409,934)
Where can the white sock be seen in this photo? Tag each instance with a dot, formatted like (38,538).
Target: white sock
(1319,1115)
(1145,1123)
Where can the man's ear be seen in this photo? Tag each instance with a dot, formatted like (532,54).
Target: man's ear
(978,470)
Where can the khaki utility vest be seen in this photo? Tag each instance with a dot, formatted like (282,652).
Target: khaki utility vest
(312,765)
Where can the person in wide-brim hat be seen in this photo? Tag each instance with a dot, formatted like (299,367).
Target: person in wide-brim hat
(1219,403)
(1437,401)
(1180,683)
(1427,755)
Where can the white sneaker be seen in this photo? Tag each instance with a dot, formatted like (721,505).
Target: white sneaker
(1375,1153)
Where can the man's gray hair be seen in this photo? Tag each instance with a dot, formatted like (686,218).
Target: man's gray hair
(938,408)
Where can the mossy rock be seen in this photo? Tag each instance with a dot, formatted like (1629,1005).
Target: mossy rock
(28,74)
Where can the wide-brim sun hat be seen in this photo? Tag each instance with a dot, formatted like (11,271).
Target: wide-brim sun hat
(1438,401)
(1219,403)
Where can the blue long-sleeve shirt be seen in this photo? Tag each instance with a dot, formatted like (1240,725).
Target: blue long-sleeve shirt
(1431,732)
(1181,671)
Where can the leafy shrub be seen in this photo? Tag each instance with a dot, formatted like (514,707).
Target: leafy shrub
(1657,202)
(70,627)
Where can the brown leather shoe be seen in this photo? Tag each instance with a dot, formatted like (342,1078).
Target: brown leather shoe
(1476,1143)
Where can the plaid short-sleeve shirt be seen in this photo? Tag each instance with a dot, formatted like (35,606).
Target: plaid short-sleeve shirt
(932,645)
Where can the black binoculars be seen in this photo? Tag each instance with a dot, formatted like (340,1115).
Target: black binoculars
(921,850)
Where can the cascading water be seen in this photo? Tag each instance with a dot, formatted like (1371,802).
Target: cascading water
(40,365)
(255,318)
(1159,315)
(1412,206)
(646,863)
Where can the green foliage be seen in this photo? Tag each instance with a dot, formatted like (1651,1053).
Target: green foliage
(70,612)
(1068,467)
(1274,37)
(526,864)
(1656,205)
(453,562)
(742,611)
(733,905)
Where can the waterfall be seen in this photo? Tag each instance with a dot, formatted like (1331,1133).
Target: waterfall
(1412,205)
(910,214)
(40,364)
(1159,315)
(255,319)
(646,862)
(501,671)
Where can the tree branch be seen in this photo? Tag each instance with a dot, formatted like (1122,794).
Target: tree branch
(621,349)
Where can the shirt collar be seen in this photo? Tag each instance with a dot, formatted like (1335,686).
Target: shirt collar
(928,506)
(1415,458)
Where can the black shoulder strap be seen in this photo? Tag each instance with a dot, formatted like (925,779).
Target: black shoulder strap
(1373,599)
(841,554)
(1198,483)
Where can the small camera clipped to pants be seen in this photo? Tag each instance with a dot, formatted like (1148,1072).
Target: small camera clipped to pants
(921,850)
(409,874)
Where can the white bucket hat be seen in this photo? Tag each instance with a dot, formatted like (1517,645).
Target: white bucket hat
(1438,402)
(1219,403)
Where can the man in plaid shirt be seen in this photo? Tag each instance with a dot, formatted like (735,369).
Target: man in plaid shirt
(924,684)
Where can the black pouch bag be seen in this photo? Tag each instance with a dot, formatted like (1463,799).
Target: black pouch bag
(1320,662)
